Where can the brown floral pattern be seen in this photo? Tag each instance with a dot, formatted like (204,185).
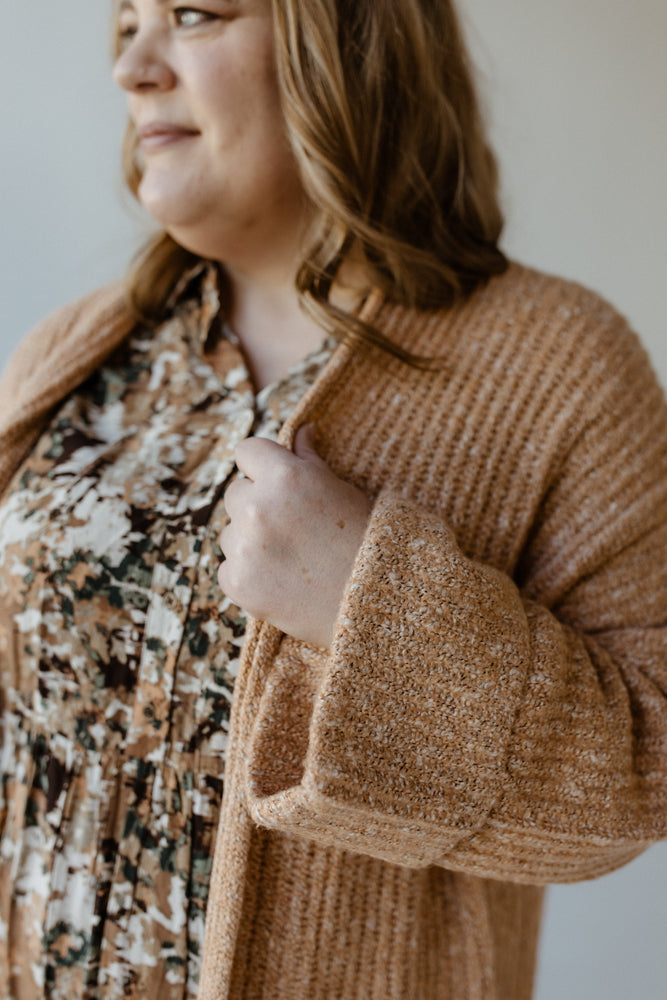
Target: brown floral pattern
(118,655)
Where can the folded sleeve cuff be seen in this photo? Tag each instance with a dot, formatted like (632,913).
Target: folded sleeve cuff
(393,743)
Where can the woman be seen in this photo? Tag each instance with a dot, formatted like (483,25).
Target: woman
(451,691)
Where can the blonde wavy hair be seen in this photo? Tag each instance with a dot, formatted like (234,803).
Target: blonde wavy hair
(385,126)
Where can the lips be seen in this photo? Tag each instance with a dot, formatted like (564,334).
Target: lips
(158,134)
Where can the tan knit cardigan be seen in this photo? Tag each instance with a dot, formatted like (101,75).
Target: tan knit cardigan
(493,713)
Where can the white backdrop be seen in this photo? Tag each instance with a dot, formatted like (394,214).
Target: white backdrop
(575,94)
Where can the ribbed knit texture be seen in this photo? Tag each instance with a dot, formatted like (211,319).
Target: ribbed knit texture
(493,713)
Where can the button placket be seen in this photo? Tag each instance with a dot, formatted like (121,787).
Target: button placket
(163,635)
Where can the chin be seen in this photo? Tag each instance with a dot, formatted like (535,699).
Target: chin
(167,204)
(190,223)
(163,212)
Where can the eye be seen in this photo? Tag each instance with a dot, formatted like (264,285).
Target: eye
(191,17)
(125,32)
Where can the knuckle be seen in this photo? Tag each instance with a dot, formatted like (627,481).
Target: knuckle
(257,518)
(286,477)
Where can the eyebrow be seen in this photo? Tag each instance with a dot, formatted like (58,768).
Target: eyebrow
(126,5)
(129,4)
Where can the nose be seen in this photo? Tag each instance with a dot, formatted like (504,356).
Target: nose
(142,66)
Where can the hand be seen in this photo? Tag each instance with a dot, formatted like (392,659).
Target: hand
(294,532)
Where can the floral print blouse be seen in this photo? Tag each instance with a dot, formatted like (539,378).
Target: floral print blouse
(118,654)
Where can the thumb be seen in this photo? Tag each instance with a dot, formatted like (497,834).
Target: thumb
(304,446)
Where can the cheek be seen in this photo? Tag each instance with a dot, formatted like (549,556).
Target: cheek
(235,83)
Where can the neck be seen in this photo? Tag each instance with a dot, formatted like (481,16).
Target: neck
(273,329)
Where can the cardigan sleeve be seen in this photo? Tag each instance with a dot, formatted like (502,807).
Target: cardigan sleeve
(512,728)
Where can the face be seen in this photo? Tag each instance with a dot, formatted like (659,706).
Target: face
(217,171)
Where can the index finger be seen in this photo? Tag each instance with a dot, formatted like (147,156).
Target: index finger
(257,455)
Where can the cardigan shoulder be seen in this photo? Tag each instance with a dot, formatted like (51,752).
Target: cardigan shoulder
(53,340)
(58,354)
(546,331)
(552,307)
(557,343)
(548,306)
(539,340)
(577,347)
